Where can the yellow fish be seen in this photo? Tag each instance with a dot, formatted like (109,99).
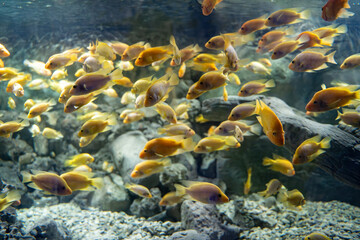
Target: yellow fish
(82,181)
(10,127)
(286,16)
(216,143)
(84,141)
(247,184)
(59,74)
(204,192)
(166,112)
(253,25)
(333,98)
(11,103)
(159,89)
(272,188)
(11,197)
(227,128)
(39,108)
(211,80)
(256,87)
(317,236)
(330,30)
(149,167)
(74,103)
(293,198)
(242,111)
(280,164)
(177,129)
(80,159)
(170,199)
(310,149)
(166,146)
(49,182)
(105,50)
(133,116)
(133,51)
(350,117)
(141,85)
(98,125)
(64,59)
(139,190)
(51,133)
(351,62)
(271,124)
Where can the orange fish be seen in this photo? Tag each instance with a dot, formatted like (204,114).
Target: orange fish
(170,199)
(310,39)
(284,48)
(330,30)
(256,87)
(286,16)
(308,61)
(334,9)
(351,62)
(204,192)
(310,149)
(252,25)
(76,102)
(332,98)
(3,51)
(268,47)
(274,36)
(211,80)
(187,53)
(149,167)
(1,63)
(133,51)
(271,124)
(166,146)
(208,6)
(49,182)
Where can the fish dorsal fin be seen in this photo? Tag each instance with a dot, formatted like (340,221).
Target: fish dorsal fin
(316,138)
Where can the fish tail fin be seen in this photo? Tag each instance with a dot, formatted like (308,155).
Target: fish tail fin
(197,48)
(343,13)
(166,162)
(249,171)
(341,29)
(282,196)
(330,58)
(231,141)
(175,50)
(338,115)
(68,163)
(328,41)
(180,189)
(97,182)
(306,14)
(256,129)
(290,31)
(225,94)
(13,196)
(270,84)
(262,193)
(267,161)
(161,130)
(117,74)
(188,144)
(357,94)
(173,80)
(257,107)
(26,176)
(325,143)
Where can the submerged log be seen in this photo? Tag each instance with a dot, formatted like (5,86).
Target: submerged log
(341,160)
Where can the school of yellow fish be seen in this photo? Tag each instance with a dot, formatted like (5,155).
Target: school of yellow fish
(104,63)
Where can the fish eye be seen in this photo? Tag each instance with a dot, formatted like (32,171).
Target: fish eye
(201,83)
(63,188)
(292,62)
(219,195)
(274,53)
(220,128)
(150,97)
(145,150)
(274,133)
(321,10)
(209,42)
(75,86)
(242,28)
(315,102)
(269,18)
(345,64)
(81,130)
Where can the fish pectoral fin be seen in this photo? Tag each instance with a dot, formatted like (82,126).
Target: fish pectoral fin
(321,67)
(159,155)
(259,119)
(33,185)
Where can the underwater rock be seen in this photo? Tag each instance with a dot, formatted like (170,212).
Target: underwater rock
(10,228)
(41,145)
(47,228)
(188,160)
(341,160)
(113,196)
(189,235)
(205,219)
(11,149)
(7,170)
(147,207)
(208,166)
(173,174)
(125,151)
